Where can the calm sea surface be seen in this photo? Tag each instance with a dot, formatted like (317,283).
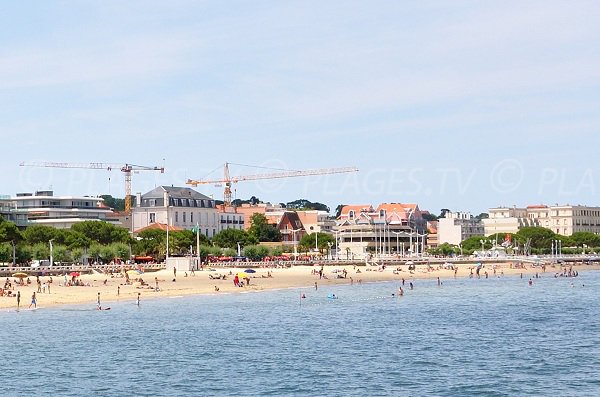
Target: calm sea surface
(469,337)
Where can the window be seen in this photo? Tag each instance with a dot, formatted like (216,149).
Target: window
(351,214)
(191,217)
(183,217)
(152,217)
(176,217)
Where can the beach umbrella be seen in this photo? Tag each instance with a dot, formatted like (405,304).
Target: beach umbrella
(243,275)
(74,274)
(20,275)
(133,273)
(249,271)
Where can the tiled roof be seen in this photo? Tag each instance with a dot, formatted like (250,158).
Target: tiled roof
(159,226)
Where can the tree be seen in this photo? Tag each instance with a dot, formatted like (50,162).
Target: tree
(102,232)
(60,253)
(152,242)
(262,230)
(256,252)
(180,241)
(114,203)
(443,212)
(35,234)
(40,251)
(303,204)
(589,239)
(474,243)
(229,238)
(9,231)
(252,200)
(444,249)
(483,215)
(540,236)
(319,239)
(429,217)
(338,210)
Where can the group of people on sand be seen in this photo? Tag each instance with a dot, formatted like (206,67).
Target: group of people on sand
(239,283)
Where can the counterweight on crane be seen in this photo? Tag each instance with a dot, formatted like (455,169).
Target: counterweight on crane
(127,170)
(229,180)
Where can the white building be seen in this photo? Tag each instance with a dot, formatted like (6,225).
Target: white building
(43,208)
(457,227)
(176,206)
(561,219)
(231,220)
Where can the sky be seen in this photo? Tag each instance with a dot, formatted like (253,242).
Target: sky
(465,105)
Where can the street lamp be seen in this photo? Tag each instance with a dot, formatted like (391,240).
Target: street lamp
(410,214)
(14,252)
(482,247)
(337,255)
(239,252)
(294,231)
(329,244)
(51,252)
(397,241)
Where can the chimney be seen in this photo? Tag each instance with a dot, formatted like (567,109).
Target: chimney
(138,199)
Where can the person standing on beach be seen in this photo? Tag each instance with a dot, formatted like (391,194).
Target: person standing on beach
(156,281)
(33,301)
(175,272)
(98,302)
(18,300)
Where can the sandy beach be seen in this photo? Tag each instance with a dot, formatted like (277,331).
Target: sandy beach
(113,288)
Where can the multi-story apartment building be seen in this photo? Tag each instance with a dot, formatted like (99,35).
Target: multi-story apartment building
(8,212)
(561,219)
(61,212)
(458,226)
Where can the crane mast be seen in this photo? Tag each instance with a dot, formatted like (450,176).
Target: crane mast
(126,169)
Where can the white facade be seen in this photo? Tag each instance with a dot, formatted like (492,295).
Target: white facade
(457,227)
(231,220)
(564,219)
(176,206)
(61,212)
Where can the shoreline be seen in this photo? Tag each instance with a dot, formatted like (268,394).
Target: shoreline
(113,289)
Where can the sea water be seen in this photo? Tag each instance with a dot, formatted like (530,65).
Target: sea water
(467,337)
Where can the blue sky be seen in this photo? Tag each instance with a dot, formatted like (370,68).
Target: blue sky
(464,105)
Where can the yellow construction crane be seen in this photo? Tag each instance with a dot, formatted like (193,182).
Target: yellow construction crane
(127,169)
(228,180)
